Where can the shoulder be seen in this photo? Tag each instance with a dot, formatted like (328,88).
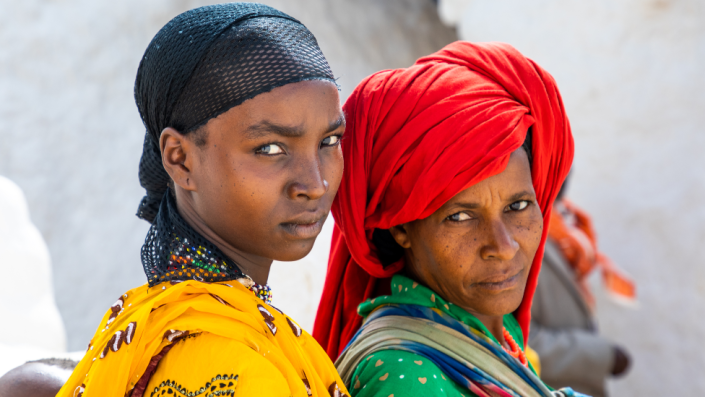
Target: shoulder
(207,361)
(318,359)
(400,373)
(34,379)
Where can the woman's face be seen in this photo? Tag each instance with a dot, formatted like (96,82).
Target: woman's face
(263,175)
(477,249)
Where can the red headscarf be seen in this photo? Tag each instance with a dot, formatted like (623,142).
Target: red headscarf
(415,138)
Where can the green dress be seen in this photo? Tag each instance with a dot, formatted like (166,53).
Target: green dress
(394,372)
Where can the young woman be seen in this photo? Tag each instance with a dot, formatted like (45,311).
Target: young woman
(451,169)
(241,163)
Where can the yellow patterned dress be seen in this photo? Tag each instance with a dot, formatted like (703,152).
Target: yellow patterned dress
(201,339)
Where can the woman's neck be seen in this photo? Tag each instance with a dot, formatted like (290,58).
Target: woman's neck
(252,265)
(494,324)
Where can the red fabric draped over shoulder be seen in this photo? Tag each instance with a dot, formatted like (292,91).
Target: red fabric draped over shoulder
(416,137)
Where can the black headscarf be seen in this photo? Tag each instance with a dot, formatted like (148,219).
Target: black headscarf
(208,60)
(198,66)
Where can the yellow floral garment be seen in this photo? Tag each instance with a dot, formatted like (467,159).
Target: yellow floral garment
(201,339)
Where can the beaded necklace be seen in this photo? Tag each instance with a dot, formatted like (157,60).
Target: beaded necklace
(185,256)
(263,292)
(174,251)
(515,351)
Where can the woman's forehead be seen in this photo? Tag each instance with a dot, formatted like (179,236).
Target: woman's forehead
(513,183)
(288,112)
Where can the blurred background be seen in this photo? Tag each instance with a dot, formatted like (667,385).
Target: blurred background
(631,76)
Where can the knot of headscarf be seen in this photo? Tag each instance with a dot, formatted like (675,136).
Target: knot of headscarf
(415,138)
(208,60)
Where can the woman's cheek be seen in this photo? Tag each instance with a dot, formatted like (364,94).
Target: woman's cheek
(535,231)
(461,253)
(332,164)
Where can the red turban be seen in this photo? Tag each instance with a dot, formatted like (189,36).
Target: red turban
(415,138)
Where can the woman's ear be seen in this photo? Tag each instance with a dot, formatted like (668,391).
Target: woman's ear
(177,157)
(400,235)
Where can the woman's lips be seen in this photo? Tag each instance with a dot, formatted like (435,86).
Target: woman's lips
(501,284)
(305,228)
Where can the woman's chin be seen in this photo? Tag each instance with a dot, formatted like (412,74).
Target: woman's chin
(294,251)
(497,311)
(496,304)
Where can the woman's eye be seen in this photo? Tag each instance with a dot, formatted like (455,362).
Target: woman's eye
(459,217)
(331,140)
(519,205)
(270,149)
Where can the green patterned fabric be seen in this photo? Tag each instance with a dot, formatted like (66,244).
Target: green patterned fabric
(396,372)
(409,292)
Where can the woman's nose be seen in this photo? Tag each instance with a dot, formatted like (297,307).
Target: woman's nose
(500,243)
(307,180)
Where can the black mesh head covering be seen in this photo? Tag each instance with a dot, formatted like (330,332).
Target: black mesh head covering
(199,65)
(208,60)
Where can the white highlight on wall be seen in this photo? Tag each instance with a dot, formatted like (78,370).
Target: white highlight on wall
(27,308)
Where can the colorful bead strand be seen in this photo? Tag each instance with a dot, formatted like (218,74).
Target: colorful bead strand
(515,351)
(263,292)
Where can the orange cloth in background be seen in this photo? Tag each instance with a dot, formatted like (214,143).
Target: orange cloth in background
(571,228)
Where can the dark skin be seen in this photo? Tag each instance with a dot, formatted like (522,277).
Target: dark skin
(259,180)
(33,380)
(476,250)
(621,361)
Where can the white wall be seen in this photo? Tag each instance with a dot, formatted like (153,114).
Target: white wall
(28,309)
(632,75)
(71,137)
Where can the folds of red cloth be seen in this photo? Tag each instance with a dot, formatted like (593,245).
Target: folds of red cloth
(416,137)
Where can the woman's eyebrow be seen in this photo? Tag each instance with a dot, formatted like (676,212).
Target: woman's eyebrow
(340,121)
(466,205)
(520,195)
(264,128)
(514,197)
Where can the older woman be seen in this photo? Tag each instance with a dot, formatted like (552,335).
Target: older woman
(451,169)
(241,162)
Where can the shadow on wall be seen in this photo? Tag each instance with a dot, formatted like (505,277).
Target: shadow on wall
(72,136)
